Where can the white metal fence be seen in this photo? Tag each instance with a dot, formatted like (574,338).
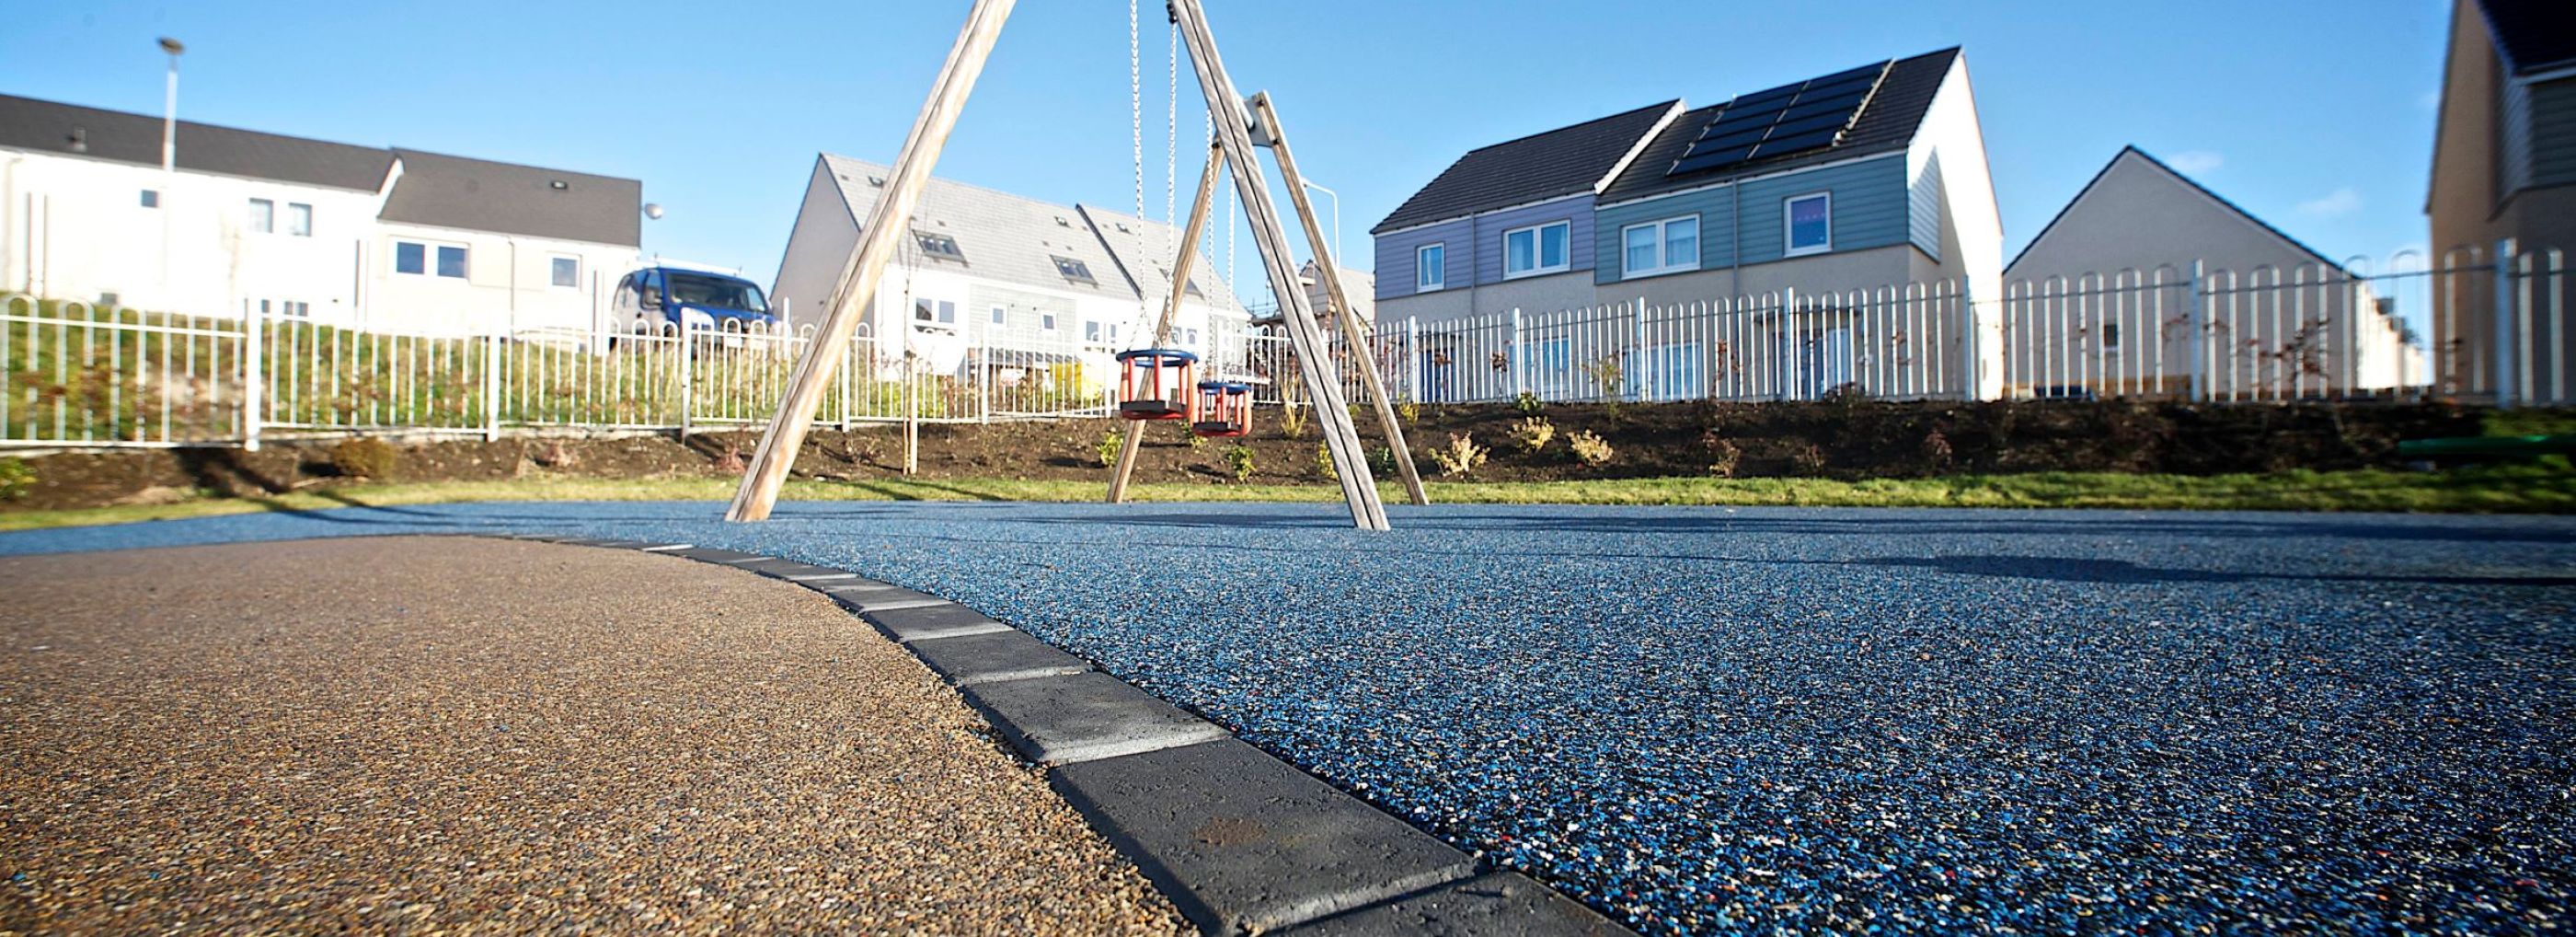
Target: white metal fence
(72,375)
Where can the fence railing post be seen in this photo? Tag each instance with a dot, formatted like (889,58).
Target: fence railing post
(688,386)
(1519,363)
(2197,319)
(1637,363)
(984,381)
(1791,345)
(492,387)
(2508,313)
(1412,359)
(254,378)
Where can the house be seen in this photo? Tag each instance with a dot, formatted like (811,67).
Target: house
(2504,167)
(988,276)
(384,238)
(2100,299)
(1359,285)
(1872,178)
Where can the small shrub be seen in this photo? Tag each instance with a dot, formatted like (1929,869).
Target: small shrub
(16,479)
(363,457)
(1722,454)
(1110,443)
(1292,421)
(1460,456)
(1409,411)
(1593,450)
(1533,434)
(1324,463)
(1238,460)
(557,456)
(1608,375)
(731,462)
(1382,460)
(1805,458)
(1197,441)
(1936,450)
(1528,404)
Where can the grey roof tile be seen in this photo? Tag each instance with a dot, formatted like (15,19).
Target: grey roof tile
(70,129)
(1560,162)
(504,198)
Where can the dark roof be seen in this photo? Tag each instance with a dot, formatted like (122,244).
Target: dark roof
(2533,34)
(46,126)
(1560,162)
(1887,123)
(481,195)
(2186,180)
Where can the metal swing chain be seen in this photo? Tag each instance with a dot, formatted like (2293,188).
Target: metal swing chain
(1136,122)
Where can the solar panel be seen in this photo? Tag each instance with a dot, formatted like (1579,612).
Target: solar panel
(1780,121)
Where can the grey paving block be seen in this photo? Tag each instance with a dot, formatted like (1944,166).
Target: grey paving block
(1008,654)
(1500,904)
(713,555)
(668,547)
(912,620)
(1084,717)
(1243,842)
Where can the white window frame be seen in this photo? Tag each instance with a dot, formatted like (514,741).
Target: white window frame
(1438,282)
(257,222)
(299,219)
(1789,229)
(1663,247)
(1538,250)
(1001,315)
(1046,322)
(429,258)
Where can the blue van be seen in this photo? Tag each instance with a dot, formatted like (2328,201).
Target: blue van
(656,299)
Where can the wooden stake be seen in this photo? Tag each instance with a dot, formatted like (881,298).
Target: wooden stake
(1181,273)
(888,224)
(1328,270)
(1234,133)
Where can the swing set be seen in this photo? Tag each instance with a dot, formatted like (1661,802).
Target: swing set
(1156,383)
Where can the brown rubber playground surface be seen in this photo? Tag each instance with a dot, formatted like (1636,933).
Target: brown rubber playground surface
(452,734)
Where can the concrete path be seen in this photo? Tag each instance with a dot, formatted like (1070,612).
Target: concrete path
(430,734)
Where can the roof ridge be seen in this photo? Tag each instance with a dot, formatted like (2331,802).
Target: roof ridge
(945,180)
(1577,125)
(403,150)
(183,122)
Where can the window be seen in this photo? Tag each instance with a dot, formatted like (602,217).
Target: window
(451,261)
(151,198)
(108,300)
(1000,315)
(299,310)
(936,311)
(2110,335)
(410,257)
(1430,267)
(947,313)
(1190,337)
(263,215)
(299,219)
(566,271)
(1074,270)
(1535,250)
(1046,322)
(940,246)
(1811,224)
(1090,330)
(1667,246)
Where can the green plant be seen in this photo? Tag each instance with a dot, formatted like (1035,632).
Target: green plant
(1722,455)
(1588,447)
(16,479)
(1607,374)
(1110,442)
(1324,463)
(1533,434)
(1197,441)
(1806,458)
(1382,460)
(1460,456)
(1936,450)
(1409,411)
(364,457)
(1292,421)
(1528,404)
(1238,460)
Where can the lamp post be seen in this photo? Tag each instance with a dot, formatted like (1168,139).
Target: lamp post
(169,159)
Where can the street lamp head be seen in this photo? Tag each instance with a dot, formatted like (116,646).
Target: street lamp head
(653,210)
(172,46)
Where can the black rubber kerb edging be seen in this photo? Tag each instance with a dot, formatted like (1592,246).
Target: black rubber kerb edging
(1242,842)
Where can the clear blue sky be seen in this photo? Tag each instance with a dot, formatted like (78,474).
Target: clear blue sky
(2317,116)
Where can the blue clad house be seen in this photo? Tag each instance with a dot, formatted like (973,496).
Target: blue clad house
(1866,179)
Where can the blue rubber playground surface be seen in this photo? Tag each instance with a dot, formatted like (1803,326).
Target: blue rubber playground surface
(1715,721)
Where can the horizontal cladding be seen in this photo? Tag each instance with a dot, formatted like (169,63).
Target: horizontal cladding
(1926,208)
(1872,208)
(1395,253)
(1576,212)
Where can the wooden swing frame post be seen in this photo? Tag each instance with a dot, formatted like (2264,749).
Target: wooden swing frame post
(1329,272)
(887,225)
(1181,273)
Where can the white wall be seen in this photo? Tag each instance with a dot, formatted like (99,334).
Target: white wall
(1952,143)
(508,283)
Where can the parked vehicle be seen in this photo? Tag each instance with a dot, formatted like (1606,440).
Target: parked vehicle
(661,299)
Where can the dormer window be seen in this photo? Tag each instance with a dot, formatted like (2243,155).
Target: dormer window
(940,246)
(1074,270)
